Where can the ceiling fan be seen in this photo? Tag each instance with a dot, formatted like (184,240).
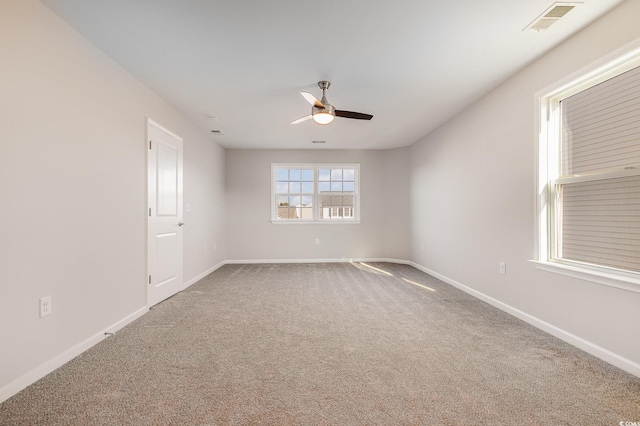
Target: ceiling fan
(322,112)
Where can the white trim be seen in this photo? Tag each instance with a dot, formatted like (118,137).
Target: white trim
(151,122)
(59,360)
(611,60)
(618,279)
(202,275)
(606,355)
(336,260)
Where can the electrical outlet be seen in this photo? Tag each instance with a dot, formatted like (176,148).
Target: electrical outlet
(421,246)
(215,246)
(502,268)
(45,306)
(317,241)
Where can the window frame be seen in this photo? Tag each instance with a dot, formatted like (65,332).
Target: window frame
(548,171)
(316,193)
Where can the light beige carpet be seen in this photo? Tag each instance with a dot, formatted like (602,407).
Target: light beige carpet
(334,344)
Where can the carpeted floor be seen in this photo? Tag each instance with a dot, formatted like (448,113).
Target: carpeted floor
(328,344)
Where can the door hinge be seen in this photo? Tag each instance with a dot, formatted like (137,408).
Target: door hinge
(149,211)
(149,279)
(149,144)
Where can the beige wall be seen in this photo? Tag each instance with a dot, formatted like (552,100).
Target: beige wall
(473,203)
(381,233)
(73,191)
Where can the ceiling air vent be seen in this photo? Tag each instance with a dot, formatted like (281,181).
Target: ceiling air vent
(217,132)
(551,16)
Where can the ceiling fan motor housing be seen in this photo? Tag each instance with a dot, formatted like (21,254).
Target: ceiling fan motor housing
(328,108)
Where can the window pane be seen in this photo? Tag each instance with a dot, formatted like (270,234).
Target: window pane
(307,187)
(336,174)
(348,201)
(336,186)
(336,201)
(307,175)
(294,187)
(286,213)
(324,174)
(283,187)
(600,126)
(324,186)
(282,174)
(601,222)
(348,174)
(294,201)
(348,186)
(294,174)
(282,200)
(306,201)
(305,213)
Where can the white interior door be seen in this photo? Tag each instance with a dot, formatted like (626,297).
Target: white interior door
(165,214)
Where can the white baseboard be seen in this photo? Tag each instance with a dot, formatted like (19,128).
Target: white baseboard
(202,275)
(337,260)
(599,352)
(47,367)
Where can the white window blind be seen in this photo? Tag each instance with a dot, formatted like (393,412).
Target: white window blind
(601,222)
(601,126)
(598,190)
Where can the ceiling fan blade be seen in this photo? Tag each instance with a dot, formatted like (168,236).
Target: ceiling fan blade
(354,115)
(301,119)
(312,99)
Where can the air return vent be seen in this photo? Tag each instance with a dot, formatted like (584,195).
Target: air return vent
(551,16)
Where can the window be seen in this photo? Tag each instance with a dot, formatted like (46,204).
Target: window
(589,172)
(315,193)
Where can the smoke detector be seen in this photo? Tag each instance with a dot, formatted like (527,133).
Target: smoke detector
(552,15)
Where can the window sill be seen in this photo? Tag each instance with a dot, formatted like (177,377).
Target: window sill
(624,281)
(315,222)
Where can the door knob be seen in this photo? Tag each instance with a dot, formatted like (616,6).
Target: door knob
(180,223)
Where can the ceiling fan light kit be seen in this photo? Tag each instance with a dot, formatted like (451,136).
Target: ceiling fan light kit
(324,116)
(322,112)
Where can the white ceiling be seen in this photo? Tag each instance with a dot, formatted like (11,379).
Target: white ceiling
(413,64)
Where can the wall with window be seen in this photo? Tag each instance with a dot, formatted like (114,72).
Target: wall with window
(73,192)
(381,232)
(473,205)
